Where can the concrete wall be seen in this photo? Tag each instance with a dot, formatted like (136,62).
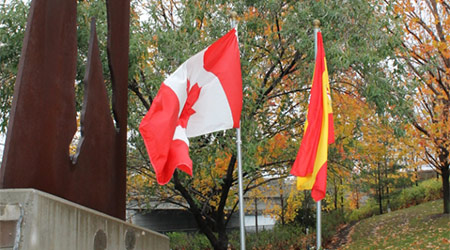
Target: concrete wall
(33,220)
(166,220)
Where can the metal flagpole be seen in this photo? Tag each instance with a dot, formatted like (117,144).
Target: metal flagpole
(241,193)
(316,24)
(239,160)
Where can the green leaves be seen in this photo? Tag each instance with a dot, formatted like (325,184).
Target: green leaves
(13,18)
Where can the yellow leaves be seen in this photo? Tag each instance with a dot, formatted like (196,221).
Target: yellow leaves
(425,48)
(414,20)
(138,181)
(74,144)
(293,204)
(443,48)
(270,194)
(222,164)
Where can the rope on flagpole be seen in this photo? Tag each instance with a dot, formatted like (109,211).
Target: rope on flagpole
(316,24)
(234,25)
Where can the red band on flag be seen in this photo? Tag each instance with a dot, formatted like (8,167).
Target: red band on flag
(330,128)
(223,60)
(162,114)
(319,188)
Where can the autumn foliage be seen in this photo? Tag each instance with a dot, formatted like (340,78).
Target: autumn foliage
(426,51)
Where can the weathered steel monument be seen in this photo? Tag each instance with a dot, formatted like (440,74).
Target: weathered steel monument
(41,128)
(43,116)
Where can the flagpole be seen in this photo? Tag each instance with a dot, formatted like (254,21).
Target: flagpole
(239,160)
(316,24)
(241,192)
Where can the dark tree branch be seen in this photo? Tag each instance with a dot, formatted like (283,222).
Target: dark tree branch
(194,209)
(288,92)
(226,186)
(421,129)
(133,86)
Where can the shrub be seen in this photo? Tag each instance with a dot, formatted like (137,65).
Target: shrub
(369,209)
(280,237)
(331,221)
(293,237)
(434,189)
(426,191)
(188,241)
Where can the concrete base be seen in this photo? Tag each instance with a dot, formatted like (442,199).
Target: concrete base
(33,220)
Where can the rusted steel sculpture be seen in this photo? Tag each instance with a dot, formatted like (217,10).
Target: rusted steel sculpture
(43,115)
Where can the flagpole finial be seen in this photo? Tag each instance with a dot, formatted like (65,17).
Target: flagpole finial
(233,17)
(316,23)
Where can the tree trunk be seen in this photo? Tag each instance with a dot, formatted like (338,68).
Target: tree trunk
(342,196)
(388,206)
(445,186)
(380,190)
(357,197)
(282,209)
(444,157)
(219,241)
(416,172)
(380,204)
(222,243)
(256,215)
(335,196)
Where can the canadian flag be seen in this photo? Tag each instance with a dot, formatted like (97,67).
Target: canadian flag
(203,95)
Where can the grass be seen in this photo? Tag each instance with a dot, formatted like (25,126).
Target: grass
(418,227)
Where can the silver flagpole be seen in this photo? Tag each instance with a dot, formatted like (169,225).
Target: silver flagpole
(241,192)
(239,160)
(316,24)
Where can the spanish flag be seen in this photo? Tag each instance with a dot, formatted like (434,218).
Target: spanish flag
(311,163)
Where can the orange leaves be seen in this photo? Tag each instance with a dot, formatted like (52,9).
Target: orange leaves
(401,7)
(427,50)
(278,142)
(251,13)
(350,113)
(272,149)
(222,163)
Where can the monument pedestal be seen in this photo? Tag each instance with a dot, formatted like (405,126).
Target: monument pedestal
(34,220)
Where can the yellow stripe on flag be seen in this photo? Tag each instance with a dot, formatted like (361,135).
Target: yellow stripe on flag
(306,183)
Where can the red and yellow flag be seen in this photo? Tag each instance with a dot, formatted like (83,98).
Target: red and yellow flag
(311,163)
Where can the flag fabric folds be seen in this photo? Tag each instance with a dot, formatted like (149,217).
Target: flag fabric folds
(203,95)
(311,163)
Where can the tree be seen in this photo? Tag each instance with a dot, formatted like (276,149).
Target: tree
(367,154)
(211,195)
(12,29)
(13,18)
(426,51)
(277,59)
